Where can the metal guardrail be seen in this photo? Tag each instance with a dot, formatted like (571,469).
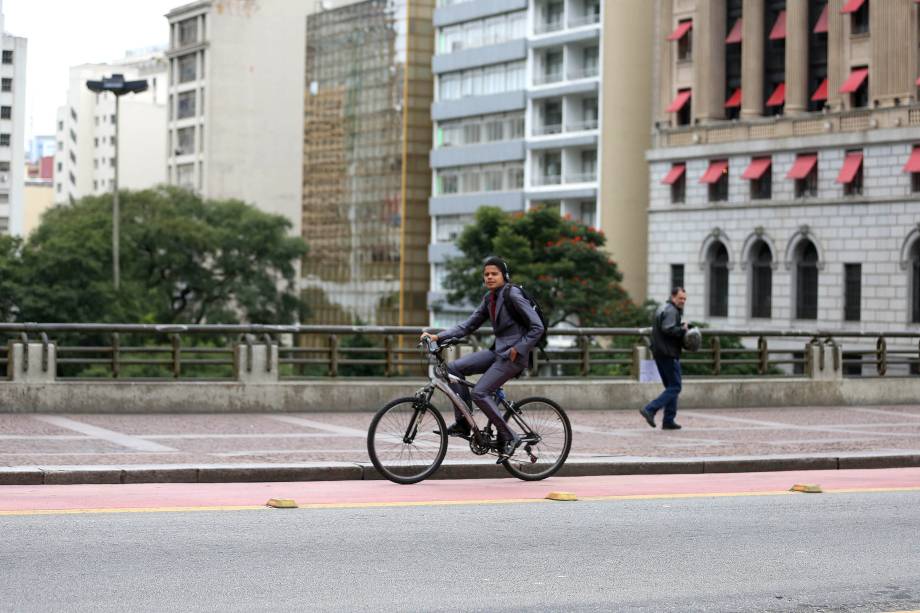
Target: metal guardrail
(149,351)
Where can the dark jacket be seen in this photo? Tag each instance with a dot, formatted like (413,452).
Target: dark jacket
(508,332)
(667,332)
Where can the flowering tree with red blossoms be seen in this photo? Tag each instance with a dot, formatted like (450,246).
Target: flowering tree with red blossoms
(560,262)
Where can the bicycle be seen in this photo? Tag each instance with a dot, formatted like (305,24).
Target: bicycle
(407,438)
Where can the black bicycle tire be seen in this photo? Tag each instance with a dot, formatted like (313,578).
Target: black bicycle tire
(372,453)
(567,426)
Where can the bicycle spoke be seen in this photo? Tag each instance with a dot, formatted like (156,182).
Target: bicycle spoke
(402,443)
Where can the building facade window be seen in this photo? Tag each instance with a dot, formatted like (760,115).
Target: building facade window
(852,291)
(7,56)
(4,140)
(761,281)
(496,79)
(851,173)
(859,19)
(6,112)
(685,45)
(676,179)
(7,85)
(915,283)
(185,141)
(485,178)
(806,280)
(718,185)
(187,68)
(482,32)
(185,105)
(188,32)
(718,280)
(449,227)
(677,275)
(805,174)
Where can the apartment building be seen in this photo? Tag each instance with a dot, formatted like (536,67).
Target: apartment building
(12,129)
(236,91)
(528,108)
(85,155)
(366,179)
(785,169)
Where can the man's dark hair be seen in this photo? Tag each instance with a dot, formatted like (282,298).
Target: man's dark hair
(494,260)
(676,290)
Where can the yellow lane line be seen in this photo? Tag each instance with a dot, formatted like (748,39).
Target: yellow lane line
(426,503)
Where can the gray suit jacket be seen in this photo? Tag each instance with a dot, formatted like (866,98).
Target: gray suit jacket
(508,333)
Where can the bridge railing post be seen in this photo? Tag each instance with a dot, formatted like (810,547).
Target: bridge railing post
(256,363)
(32,362)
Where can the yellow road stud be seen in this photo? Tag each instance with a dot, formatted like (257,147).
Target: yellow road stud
(561,496)
(282,503)
(806,488)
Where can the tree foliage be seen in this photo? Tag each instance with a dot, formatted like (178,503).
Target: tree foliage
(183,260)
(559,261)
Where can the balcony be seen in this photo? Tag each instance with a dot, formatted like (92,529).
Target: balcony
(547,78)
(584,20)
(582,126)
(543,180)
(548,130)
(545,27)
(583,73)
(584,177)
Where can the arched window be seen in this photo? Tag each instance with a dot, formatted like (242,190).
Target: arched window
(806,281)
(718,280)
(761,280)
(915,282)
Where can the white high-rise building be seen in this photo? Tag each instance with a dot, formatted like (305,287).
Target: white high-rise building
(236,99)
(12,129)
(85,157)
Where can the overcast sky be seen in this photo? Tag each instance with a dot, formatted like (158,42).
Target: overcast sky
(65,33)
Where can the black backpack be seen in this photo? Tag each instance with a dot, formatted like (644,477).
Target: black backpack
(522,319)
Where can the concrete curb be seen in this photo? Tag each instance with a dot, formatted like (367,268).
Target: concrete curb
(349,471)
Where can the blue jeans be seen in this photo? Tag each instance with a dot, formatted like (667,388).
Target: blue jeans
(669,369)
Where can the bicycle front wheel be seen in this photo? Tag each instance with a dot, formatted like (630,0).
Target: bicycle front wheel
(543,419)
(407,440)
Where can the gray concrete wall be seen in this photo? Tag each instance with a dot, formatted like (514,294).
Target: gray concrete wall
(368,395)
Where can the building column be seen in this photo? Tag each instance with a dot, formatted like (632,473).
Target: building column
(796,57)
(838,62)
(664,16)
(752,59)
(891,75)
(709,61)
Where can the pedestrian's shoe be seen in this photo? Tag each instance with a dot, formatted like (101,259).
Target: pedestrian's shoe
(670,426)
(457,429)
(507,447)
(649,418)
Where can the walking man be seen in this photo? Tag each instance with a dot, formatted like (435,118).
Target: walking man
(667,343)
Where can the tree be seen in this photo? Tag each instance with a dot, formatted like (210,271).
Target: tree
(560,262)
(184,260)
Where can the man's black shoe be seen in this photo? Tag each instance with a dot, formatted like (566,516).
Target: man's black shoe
(649,418)
(507,447)
(457,429)
(670,426)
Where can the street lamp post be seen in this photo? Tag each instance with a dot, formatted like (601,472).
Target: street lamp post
(119,87)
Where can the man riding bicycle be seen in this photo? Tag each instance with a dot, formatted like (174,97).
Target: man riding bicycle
(507,357)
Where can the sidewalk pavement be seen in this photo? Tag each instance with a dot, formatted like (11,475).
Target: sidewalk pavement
(112,448)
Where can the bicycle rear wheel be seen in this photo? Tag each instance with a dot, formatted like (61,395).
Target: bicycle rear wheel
(402,443)
(543,418)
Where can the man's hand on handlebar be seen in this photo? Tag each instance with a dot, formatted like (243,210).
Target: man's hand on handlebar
(426,335)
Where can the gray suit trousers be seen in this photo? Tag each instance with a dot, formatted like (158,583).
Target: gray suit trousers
(496,372)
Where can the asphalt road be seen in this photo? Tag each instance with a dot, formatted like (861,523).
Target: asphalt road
(828,552)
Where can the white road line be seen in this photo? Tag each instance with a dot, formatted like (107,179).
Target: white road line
(43,437)
(318,425)
(245,436)
(883,412)
(238,454)
(124,440)
(784,426)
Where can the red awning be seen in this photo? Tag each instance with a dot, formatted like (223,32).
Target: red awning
(715,171)
(821,26)
(851,164)
(804,162)
(681,30)
(852,6)
(679,101)
(778,97)
(913,162)
(676,172)
(737,30)
(757,167)
(820,93)
(855,80)
(734,100)
(779,28)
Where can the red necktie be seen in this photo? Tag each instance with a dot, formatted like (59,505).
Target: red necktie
(492,306)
